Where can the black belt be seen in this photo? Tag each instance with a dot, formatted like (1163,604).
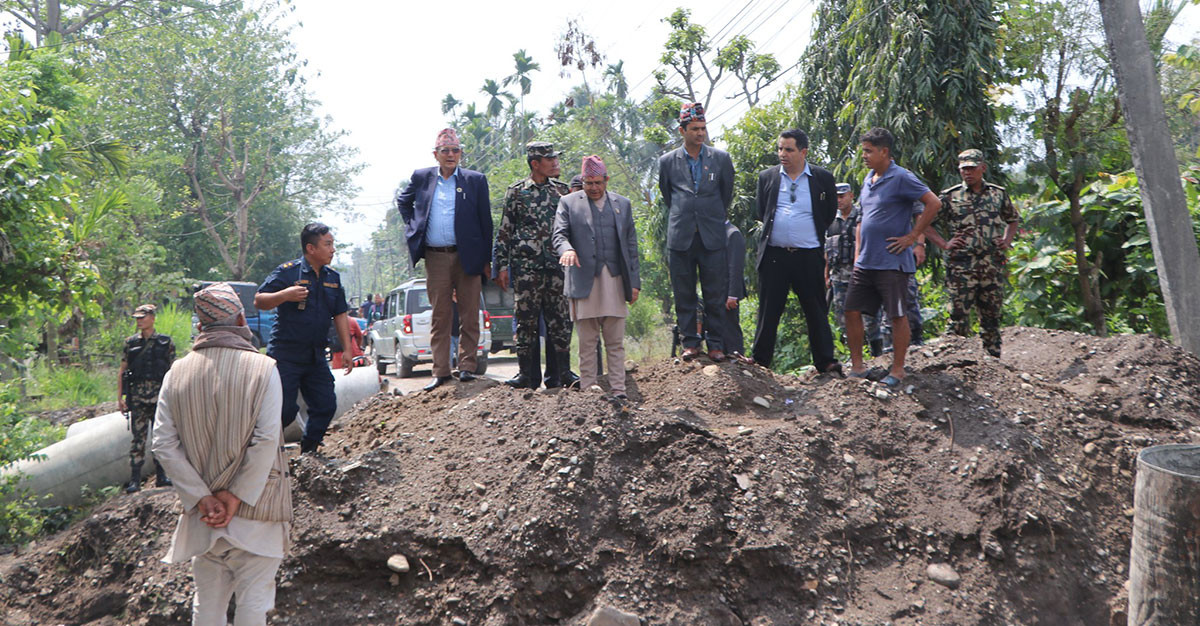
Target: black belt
(790,250)
(442,248)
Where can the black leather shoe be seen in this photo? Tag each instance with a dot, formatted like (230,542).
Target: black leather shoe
(465,376)
(437,381)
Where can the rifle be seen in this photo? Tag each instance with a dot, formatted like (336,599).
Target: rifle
(126,384)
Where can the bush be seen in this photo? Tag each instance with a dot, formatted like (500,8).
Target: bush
(20,436)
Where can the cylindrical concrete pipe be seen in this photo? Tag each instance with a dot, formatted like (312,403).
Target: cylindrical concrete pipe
(96,451)
(1164,560)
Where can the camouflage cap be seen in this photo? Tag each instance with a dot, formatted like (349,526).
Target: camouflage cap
(540,149)
(842,188)
(970,158)
(144,310)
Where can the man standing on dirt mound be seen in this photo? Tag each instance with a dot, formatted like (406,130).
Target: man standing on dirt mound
(884,261)
(309,295)
(982,223)
(145,361)
(524,245)
(219,436)
(597,241)
(695,182)
(796,202)
(448,222)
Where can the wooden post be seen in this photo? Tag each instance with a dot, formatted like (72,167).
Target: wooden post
(1164,563)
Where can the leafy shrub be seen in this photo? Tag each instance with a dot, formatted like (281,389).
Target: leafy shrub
(20,436)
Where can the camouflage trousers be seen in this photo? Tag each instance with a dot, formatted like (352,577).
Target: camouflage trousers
(142,400)
(976,282)
(539,292)
(141,415)
(838,305)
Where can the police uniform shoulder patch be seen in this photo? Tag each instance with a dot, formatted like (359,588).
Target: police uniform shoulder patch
(518,184)
(289,264)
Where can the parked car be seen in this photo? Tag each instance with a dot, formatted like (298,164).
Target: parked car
(260,322)
(401,336)
(499,304)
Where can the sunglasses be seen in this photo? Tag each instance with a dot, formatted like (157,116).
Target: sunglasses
(792,192)
(449,150)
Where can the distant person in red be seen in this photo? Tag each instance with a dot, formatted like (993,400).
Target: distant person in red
(356,343)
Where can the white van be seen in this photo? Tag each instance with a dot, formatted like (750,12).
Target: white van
(401,336)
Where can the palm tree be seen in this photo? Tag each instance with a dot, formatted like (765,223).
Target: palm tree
(449,103)
(495,104)
(525,66)
(615,75)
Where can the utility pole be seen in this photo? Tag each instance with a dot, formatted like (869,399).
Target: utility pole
(1167,218)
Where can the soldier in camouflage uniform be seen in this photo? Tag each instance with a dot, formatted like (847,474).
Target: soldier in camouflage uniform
(839,264)
(982,223)
(523,245)
(144,362)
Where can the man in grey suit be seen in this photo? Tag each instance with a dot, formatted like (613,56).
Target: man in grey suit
(696,183)
(597,246)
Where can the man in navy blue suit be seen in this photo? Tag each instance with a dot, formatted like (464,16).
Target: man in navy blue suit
(448,222)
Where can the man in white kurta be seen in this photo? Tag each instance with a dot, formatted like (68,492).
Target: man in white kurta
(595,238)
(217,434)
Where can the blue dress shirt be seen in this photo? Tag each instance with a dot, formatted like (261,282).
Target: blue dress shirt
(794,226)
(696,166)
(440,231)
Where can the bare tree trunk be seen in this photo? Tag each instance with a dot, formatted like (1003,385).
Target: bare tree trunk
(1089,287)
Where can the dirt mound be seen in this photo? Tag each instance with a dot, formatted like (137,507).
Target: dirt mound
(724,495)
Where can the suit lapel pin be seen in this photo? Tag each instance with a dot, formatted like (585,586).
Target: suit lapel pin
(459,190)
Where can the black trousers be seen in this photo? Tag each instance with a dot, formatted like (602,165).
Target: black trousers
(714,274)
(801,271)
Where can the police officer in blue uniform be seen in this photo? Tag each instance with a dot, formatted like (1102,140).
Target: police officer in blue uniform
(308,294)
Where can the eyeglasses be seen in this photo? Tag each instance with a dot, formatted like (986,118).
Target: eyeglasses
(449,150)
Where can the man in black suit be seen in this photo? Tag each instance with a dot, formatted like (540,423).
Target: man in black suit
(735,249)
(696,183)
(796,202)
(448,222)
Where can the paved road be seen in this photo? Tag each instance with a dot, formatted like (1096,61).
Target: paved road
(500,367)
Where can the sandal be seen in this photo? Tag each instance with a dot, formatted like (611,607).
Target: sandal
(891,381)
(862,374)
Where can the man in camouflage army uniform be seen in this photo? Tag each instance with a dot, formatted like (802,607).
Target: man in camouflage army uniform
(144,362)
(839,264)
(982,222)
(523,246)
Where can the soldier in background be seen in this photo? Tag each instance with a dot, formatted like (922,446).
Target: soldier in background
(144,362)
(839,264)
(523,246)
(982,222)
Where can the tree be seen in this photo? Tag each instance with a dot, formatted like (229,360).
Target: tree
(686,53)
(496,98)
(525,65)
(70,19)
(449,104)
(219,110)
(576,49)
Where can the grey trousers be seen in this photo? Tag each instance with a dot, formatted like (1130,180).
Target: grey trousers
(714,277)
(225,571)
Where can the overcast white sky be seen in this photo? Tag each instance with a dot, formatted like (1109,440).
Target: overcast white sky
(384,66)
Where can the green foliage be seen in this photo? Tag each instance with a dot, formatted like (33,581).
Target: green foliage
(1044,284)
(72,386)
(20,437)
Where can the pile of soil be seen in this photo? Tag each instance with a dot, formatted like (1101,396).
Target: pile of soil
(982,491)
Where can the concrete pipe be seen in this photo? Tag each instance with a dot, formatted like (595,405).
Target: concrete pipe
(95,457)
(1164,561)
(95,453)
(360,384)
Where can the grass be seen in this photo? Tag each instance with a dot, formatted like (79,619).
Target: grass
(71,386)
